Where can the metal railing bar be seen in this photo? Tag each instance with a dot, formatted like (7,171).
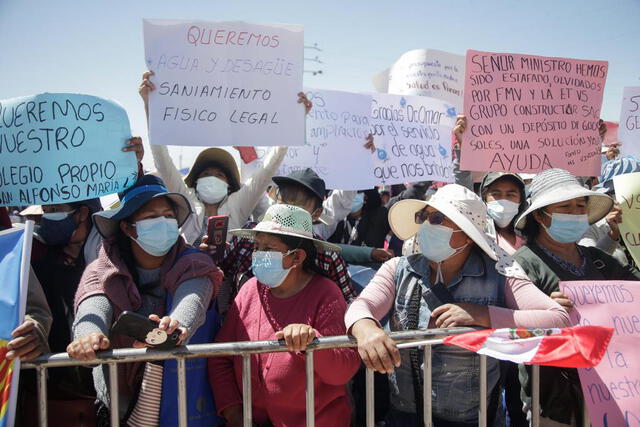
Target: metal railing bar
(535,395)
(482,416)
(247,416)
(426,389)
(115,399)
(227,349)
(41,380)
(370,401)
(311,407)
(182,393)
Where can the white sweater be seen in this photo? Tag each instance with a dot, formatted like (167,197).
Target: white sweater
(238,205)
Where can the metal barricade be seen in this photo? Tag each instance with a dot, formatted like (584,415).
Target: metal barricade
(404,339)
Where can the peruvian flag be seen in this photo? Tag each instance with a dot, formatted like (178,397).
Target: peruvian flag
(576,347)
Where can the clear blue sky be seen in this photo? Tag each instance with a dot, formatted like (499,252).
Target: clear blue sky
(96,47)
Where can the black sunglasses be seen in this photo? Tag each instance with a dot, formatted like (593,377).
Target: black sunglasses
(434,218)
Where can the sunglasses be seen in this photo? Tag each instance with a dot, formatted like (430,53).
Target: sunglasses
(434,218)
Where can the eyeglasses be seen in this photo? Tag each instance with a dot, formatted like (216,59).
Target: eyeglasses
(435,218)
(286,253)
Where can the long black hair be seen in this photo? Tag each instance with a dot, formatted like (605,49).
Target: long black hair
(309,264)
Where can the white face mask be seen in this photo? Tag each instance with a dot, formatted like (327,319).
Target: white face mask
(211,189)
(502,211)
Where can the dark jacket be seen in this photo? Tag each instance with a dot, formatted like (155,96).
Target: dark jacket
(560,391)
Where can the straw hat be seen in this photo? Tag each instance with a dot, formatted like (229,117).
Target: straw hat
(558,185)
(457,203)
(286,220)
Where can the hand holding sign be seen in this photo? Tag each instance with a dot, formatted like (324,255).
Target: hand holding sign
(61,148)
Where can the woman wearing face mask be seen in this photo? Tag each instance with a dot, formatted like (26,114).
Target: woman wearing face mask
(559,214)
(213,184)
(287,299)
(143,263)
(504,196)
(461,278)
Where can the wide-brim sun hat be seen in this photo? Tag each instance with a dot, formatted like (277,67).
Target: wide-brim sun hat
(219,157)
(286,220)
(558,185)
(147,188)
(459,204)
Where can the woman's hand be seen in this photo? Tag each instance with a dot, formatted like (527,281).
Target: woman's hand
(458,130)
(145,88)
(377,350)
(370,145)
(233,415)
(297,336)
(135,144)
(563,300)
(26,343)
(85,348)
(614,218)
(211,249)
(461,314)
(381,255)
(169,325)
(302,99)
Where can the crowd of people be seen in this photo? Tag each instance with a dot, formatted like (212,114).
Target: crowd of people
(302,261)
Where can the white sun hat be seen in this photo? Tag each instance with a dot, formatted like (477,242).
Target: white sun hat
(467,211)
(558,185)
(286,220)
(459,204)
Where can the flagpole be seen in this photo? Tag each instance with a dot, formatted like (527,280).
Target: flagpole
(25,268)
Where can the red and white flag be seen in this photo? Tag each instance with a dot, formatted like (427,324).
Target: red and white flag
(576,347)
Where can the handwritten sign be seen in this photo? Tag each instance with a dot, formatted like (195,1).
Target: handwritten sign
(627,189)
(611,389)
(530,113)
(224,83)
(629,130)
(337,128)
(429,72)
(61,148)
(413,138)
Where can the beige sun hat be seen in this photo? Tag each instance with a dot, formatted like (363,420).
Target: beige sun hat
(215,156)
(558,185)
(459,204)
(286,220)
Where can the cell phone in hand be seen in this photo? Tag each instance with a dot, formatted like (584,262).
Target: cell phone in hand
(247,154)
(145,330)
(217,232)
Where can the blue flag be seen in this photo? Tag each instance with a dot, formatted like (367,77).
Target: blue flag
(11,246)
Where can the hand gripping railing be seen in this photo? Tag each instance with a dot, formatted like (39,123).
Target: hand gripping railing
(405,339)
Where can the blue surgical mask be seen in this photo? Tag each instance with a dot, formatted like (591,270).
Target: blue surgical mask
(268,269)
(567,228)
(358,202)
(56,228)
(434,244)
(156,236)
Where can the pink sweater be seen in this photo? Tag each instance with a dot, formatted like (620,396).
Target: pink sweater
(278,379)
(528,306)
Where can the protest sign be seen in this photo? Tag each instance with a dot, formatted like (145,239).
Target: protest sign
(337,128)
(530,113)
(612,389)
(429,72)
(224,83)
(413,138)
(611,137)
(381,81)
(627,188)
(61,148)
(629,130)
